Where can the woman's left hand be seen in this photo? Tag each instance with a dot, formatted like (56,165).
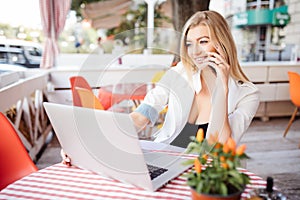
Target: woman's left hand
(66,160)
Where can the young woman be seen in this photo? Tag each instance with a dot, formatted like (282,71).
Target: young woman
(207,89)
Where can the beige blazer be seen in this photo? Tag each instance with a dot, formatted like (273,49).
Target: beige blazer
(177,92)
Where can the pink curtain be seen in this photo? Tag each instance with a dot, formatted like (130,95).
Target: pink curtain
(53,16)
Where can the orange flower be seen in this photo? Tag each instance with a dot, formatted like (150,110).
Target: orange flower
(241,149)
(224,165)
(200,135)
(222,159)
(205,156)
(217,146)
(231,144)
(233,153)
(197,165)
(226,148)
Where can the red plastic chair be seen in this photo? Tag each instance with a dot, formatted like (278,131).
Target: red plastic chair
(105,97)
(132,91)
(15,161)
(294,80)
(78,81)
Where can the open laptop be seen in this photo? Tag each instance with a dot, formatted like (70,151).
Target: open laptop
(107,143)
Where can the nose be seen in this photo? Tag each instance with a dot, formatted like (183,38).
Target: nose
(197,50)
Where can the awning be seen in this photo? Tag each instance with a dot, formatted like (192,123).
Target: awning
(275,17)
(106,14)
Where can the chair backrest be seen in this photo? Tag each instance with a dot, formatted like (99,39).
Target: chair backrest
(294,79)
(88,99)
(105,97)
(78,81)
(157,76)
(15,161)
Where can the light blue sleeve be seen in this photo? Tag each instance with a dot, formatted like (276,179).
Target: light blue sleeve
(148,111)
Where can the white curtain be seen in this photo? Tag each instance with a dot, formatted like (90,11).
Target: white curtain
(53,17)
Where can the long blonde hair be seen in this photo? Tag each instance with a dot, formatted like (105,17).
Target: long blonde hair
(220,34)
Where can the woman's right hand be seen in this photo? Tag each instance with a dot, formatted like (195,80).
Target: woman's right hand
(140,121)
(66,160)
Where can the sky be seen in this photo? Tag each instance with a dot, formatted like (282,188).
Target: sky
(20,12)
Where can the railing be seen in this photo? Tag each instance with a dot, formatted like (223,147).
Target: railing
(21,98)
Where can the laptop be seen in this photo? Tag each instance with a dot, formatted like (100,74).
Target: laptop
(107,143)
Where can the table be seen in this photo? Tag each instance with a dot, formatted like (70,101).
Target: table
(61,182)
(113,94)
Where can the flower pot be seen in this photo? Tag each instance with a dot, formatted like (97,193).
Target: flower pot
(197,196)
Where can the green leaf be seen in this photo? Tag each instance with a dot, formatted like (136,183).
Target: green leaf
(223,189)
(199,187)
(237,177)
(214,176)
(235,184)
(230,164)
(246,178)
(188,162)
(206,188)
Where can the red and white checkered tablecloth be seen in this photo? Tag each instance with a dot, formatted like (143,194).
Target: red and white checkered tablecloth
(62,182)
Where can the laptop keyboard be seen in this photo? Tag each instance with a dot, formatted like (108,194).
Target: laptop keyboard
(155,171)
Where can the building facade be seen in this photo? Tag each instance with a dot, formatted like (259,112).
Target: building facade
(265,30)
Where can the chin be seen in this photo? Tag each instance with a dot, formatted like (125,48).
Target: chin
(201,66)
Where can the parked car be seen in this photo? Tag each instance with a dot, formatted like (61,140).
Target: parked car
(12,68)
(28,54)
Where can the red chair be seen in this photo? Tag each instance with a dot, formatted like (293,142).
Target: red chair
(294,81)
(15,161)
(78,81)
(105,97)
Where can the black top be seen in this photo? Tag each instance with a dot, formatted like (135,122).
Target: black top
(183,139)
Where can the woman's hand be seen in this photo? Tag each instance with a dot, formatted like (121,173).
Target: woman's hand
(66,159)
(139,120)
(218,62)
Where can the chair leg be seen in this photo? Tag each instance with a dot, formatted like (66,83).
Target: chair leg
(291,121)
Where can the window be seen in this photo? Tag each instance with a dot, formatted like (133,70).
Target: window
(3,57)
(17,58)
(33,51)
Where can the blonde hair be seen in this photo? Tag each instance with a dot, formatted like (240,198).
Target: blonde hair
(220,34)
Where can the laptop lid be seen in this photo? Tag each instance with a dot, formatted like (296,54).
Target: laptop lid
(107,143)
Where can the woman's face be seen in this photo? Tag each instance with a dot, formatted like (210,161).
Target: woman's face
(198,43)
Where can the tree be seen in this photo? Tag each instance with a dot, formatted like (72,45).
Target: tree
(139,16)
(183,9)
(76,5)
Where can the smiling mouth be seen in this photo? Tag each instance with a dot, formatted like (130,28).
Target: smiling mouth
(200,59)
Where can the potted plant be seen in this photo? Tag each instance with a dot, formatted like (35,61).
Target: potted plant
(215,174)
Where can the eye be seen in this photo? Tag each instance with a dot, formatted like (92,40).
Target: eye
(188,44)
(203,41)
